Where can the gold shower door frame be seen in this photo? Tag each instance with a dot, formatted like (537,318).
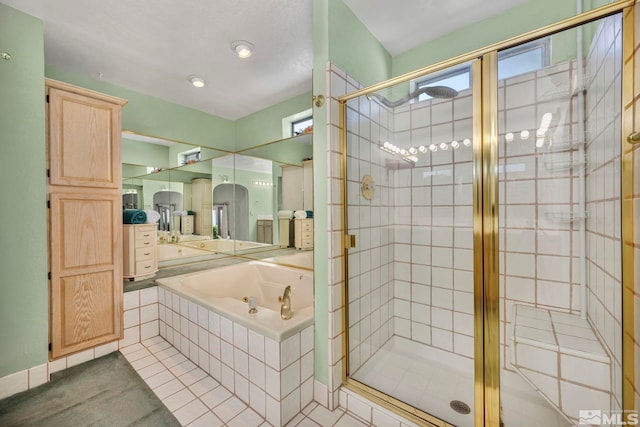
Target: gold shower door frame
(484,69)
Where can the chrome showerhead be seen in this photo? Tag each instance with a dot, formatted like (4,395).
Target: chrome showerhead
(442,92)
(439,92)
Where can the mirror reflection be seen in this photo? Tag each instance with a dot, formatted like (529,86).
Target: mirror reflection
(210,203)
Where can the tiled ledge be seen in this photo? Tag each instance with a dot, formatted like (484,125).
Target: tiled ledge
(561,357)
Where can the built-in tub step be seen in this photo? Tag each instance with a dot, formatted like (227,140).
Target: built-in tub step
(561,357)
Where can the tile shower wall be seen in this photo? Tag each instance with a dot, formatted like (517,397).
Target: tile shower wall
(604,251)
(370,262)
(538,196)
(433,282)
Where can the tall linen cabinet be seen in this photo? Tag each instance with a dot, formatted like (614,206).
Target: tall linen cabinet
(84,218)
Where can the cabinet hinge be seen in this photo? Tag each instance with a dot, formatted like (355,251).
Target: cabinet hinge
(48,173)
(47,98)
(49,275)
(49,204)
(49,346)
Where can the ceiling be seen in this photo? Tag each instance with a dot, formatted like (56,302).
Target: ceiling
(151,46)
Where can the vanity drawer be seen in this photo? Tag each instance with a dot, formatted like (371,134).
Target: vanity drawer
(146,234)
(149,242)
(306,236)
(306,226)
(146,266)
(145,253)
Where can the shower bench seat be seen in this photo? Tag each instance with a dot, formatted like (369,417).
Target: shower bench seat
(562,358)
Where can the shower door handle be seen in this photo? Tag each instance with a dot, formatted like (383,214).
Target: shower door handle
(349,241)
(634,138)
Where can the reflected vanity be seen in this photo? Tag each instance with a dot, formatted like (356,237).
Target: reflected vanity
(216,203)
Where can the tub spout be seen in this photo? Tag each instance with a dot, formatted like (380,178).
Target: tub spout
(285,304)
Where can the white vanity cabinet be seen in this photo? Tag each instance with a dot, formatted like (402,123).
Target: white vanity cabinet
(303,233)
(139,250)
(186,224)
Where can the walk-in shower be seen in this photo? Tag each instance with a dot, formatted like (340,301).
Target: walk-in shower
(530,143)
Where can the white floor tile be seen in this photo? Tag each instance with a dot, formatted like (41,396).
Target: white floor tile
(215,397)
(207,420)
(159,379)
(348,420)
(152,341)
(137,355)
(204,385)
(174,360)
(144,362)
(183,368)
(131,348)
(178,400)
(190,412)
(325,417)
(192,376)
(246,418)
(151,370)
(231,407)
(168,388)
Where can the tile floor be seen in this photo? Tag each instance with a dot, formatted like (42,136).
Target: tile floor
(196,399)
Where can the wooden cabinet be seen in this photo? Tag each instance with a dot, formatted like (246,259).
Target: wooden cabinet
(303,233)
(186,224)
(139,251)
(265,231)
(202,205)
(84,218)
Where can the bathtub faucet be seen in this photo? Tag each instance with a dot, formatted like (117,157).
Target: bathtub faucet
(285,304)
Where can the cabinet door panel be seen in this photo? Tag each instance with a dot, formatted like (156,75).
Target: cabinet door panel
(86,271)
(84,140)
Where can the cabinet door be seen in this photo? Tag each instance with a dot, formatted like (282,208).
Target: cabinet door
(84,140)
(86,271)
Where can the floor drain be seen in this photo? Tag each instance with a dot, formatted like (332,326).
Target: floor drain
(460,407)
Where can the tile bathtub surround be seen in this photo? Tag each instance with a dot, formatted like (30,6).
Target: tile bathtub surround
(274,379)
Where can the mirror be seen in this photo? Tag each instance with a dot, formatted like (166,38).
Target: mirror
(212,203)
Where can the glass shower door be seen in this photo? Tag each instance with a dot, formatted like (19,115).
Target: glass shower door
(411,275)
(560,246)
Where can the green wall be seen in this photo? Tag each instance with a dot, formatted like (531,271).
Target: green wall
(354,48)
(145,154)
(23,288)
(152,116)
(266,125)
(518,20)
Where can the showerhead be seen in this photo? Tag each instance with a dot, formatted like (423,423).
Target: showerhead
(442,92)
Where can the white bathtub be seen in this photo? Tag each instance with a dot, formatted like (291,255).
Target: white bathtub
(225,245)
(299,259)
(223,289)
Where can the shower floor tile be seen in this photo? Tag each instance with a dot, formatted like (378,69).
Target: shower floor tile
(415,374)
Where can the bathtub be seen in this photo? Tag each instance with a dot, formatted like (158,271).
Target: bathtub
(225,245)
(267,362)
(300,259)
(223,290)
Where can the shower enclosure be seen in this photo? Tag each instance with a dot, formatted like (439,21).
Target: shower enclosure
(485,282)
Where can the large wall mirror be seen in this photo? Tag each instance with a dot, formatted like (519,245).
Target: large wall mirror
(214,203)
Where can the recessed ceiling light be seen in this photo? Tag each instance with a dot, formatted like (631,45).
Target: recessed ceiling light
(242,48)
(197,81)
